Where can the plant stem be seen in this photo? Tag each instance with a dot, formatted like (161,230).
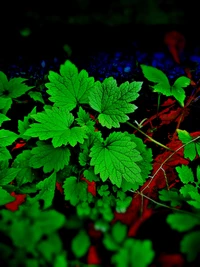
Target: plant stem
(153,140)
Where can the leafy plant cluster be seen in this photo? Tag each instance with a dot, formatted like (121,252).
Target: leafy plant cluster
(64,150)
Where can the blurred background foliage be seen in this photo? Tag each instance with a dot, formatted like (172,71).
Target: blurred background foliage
(112,12)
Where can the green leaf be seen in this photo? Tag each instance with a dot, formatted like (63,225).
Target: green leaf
(112,102)
(61,260)
(182,222)
(4,154)
(195,199)
(80,244)
(70,88)
(171,196)
(3,118)
(24,125)
(36,96)
(7,137)
(55,124)
(123,204)
(5,104)
(5,197)
(90,176)
(49,247)
(25,174)
(74,191)
(49,157)
(157,76)
(132,254)
(177,90)
(190,245)
(119,232)
(47,190)
(110,243)
(8,175)
(3,82)
(184,136)
(115,159)
(185,174)
(16,87)
(103,190)
(186,189)
(85,120)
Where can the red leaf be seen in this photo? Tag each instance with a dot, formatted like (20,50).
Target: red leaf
(19,144)
(173,115)
(91,186)
(171,260)
(59,187)
(93,257)
(176,43)
(19,199)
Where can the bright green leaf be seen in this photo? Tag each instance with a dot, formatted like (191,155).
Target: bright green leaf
(119,232)
(190,245)
(115,159)
(5,197)
(7,137)
(185,174)
(49,157)
(112,102)
(70,88)
(3,118)
(177,90)
(157,76)
(74,191)
(55,123)
(171,196)
(182,222)
(80,244)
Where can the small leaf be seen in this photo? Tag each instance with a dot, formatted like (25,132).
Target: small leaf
(190,245)
(5,197)
(177,90)
(80,244)
(182,222)
(185,174)
(157,76)
(119,232)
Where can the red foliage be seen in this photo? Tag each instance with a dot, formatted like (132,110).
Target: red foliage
(19,199)
(93,257)
(176,43)
(91,186)
(171,260)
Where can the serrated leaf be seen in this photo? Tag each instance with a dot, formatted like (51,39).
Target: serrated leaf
(24,125)
(4,154)
(116,159)
(16,87)
(157,76)
(119,232)
(177,90)
(49,157)
(182,222)
(112,102)
(25,174)
(132,254)
(171,196)
(185,174)
(3,118)
(8,175)
(55,123)
(5,104)
(190,245)
(80,244)
(36,96)
(184,136)
(70,88)
(47,190)
(74,191)
(186,189)
(5,197)
(7,137)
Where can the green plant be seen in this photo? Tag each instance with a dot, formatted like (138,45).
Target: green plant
(75,143)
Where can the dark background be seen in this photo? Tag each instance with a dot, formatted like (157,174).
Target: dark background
(88,26)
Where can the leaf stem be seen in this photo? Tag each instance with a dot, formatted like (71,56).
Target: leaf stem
(153,140)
